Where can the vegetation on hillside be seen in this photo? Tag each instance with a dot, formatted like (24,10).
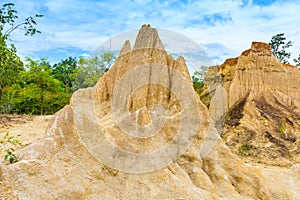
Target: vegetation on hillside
(36,86)
(280,47)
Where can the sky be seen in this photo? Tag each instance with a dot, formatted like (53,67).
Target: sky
(222,28)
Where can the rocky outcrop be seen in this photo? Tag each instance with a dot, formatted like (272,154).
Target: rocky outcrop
(140,133)
(126,47)
(148,38)
(263,101)
(255,71)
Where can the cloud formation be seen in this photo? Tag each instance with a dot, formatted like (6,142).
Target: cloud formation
(224,28)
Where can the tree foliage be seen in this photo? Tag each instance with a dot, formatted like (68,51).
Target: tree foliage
(37,91)
(297,61)
(66,72)
(198,83)
(38,87)
(91,69)
(9,21)
(40,80)
(10,64)
(42,88)
(198,79)
(279,47)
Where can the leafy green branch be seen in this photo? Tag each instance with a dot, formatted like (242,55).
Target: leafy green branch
(7,145)
(9,17)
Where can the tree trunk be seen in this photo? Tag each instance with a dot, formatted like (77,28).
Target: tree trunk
(42,103)
(1,92)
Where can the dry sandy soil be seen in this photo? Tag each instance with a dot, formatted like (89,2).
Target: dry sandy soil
(27,129)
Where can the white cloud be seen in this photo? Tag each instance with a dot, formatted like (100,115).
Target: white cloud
(86,24)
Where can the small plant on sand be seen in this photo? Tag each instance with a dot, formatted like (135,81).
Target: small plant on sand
(227,116)
(291,155)
(244,148)
(7,145)
(281,129)
(247,150)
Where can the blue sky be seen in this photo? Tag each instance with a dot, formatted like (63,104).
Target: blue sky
(223,28)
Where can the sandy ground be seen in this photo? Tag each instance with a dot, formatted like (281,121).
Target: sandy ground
(27,129)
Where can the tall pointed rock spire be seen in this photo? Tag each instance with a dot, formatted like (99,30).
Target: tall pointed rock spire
(126,47)
(148,38)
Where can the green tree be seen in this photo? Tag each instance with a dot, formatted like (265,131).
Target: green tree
(37,91)
(297,61)
(41,82)
(9,21)
(108,59)
(9,98)
(91,69)
(198,79)
(66,72)
(10,63)
(279,46)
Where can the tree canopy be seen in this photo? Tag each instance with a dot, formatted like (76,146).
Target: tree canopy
(297,61)
(91,69)
(9,21)
(10,63)
(279,47)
